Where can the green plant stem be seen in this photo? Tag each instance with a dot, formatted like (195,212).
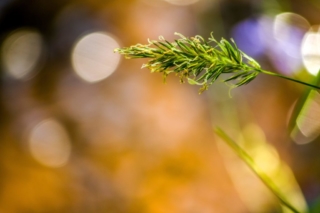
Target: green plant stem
(288,78)
(249,161)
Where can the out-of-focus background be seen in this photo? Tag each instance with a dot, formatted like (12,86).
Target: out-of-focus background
(83,130)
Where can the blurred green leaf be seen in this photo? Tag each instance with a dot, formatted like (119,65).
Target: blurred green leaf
(250,162)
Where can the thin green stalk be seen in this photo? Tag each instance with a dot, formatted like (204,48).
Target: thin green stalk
(288,78)
(249,161)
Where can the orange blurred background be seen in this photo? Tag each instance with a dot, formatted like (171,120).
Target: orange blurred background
(83,130)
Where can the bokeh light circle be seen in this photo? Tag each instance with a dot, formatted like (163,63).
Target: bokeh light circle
(285,24)
(182,2)
(310,51)
(49,143)
(93,56)
(288,31)
(21,53)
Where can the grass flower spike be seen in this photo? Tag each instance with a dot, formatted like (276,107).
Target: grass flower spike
(197,61)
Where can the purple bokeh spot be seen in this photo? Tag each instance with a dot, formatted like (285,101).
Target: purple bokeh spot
(255,37)
(247,35)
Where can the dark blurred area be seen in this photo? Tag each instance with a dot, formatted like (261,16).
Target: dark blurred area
(83,130)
